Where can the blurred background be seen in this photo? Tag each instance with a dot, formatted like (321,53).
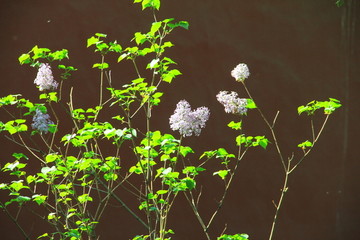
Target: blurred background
(297,51)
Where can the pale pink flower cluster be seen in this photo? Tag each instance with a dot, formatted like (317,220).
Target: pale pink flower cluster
(240,72)
(44,78)
(41,122)
(187,121)
(232,103)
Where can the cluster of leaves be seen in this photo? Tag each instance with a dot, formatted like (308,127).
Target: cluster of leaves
(65,184)
(18,125)
(328,106)
(37,55)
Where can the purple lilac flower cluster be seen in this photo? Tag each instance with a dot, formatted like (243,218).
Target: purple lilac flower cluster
(240,72)
(232,103)
(44,78)
(188,121)
(41,122)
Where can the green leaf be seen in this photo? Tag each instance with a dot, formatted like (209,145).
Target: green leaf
(101,65)
(155,27)
(59,55)
(51,157)
(140,38)
(161,192)
(19,156)
(153,64)
(182,24)
(50,97)
(185,150)
(52,216)
(39,52)
(155,4)
(223,154)
(189,182)
(169,76)
(115,47)
(192,170)
(263,142)
(101,35)
(123,56)
(102,47)
(331,106)
(17,185)
(110,176)
(21,199)
(39,199)
(15,126)
(9,100)
(25,58)
(208,154)
(44,235)
(167,44)
(222,173)
(250,104)
(305,144)
(30,179)
(250,141)
(91,41)
(235,125)
(84,198)
(12,167)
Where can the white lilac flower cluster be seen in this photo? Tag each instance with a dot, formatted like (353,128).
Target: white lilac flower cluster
(240,72)
(188,121)
(44,78)
(41,122)
(232,103)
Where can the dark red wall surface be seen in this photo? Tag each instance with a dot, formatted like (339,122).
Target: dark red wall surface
(297,51)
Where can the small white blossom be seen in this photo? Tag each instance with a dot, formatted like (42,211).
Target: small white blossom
(232,103)
(44,78)
(240,72)
(41,121)
(188,122)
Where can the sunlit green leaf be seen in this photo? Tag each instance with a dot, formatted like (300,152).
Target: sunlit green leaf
(155,27)
(101,65)
(235,125)
(84,198)
(222,173)
(91,41)
(25,58)
(305,144)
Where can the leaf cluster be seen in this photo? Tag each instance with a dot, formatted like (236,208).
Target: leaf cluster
(328,106)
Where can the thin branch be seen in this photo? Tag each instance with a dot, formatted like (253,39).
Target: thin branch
(14,220)
(196,212)
(226,188)
(271,127)
(314,141)
(278,205)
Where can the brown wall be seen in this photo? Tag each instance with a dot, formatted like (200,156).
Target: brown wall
(296,52)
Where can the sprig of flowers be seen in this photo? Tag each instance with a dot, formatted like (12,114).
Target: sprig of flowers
(187,121)
(232,103)
(44,78)
(41,122)
(240,72)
